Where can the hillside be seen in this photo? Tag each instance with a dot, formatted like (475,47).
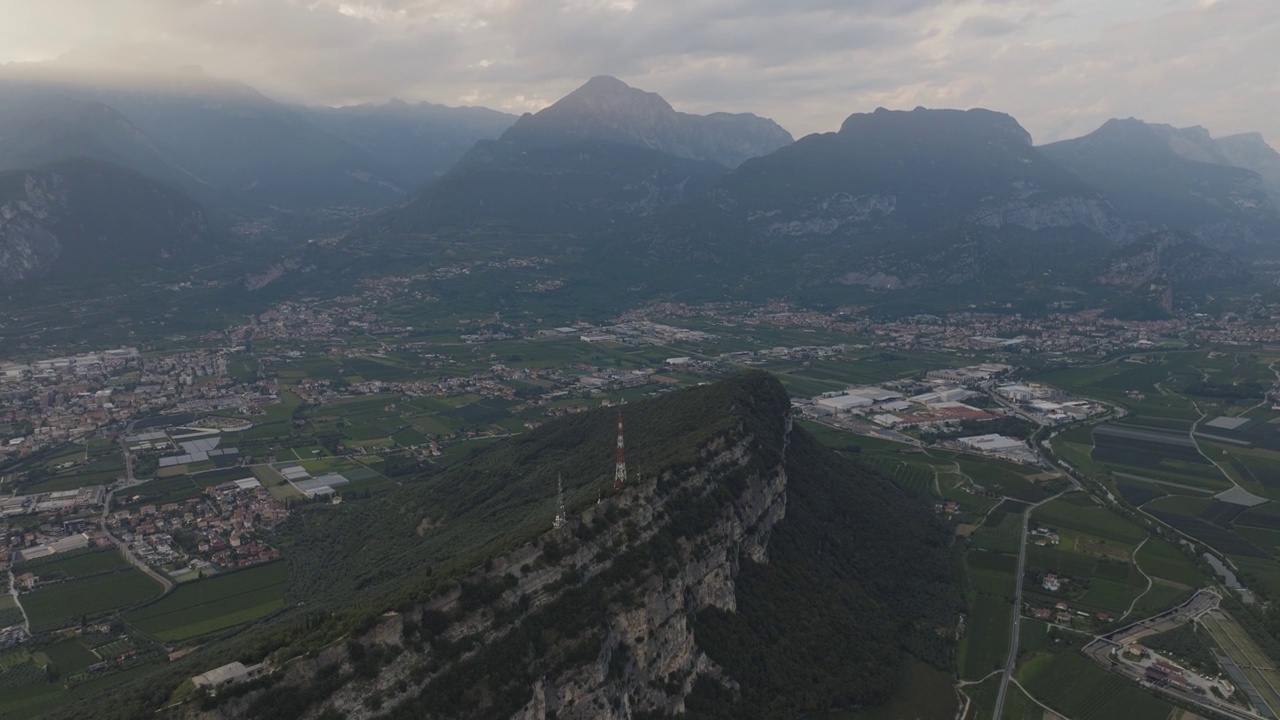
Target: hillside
(582,187)
(1251,151)
(1149,175)
(233,146)
(414,143)
(604,157)
(78,218)
(893,201)
(737,538)
(1172,270)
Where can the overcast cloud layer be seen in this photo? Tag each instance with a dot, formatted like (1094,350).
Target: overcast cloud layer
(1061,67)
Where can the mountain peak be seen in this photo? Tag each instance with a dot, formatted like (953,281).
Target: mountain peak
(607,109)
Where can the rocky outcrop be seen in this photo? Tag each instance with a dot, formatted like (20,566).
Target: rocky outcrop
(27,246)
(85,216)
(643,656)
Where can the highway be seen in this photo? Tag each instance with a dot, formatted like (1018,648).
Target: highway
(1012,658)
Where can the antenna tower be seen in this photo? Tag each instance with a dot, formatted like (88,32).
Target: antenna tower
(560,516)
(620,472)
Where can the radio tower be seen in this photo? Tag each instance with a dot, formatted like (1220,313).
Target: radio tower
(560,517)
(620,472)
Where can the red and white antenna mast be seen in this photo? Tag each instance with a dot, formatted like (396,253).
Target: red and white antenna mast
(620,472)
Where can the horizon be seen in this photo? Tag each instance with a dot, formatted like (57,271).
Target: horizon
(1061,69)
(64,73)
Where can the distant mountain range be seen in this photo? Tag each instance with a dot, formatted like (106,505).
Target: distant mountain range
(958,204)
(227,144)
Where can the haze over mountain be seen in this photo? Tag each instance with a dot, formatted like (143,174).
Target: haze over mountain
(227,144)
(894,201)
(605,155)
(1159,177)
(85,218)
(413,143)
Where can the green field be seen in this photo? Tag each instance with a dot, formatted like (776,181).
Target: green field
(1081,690)
(78,565)
(986,642)
(70,656)
(67,602)
(1069,512)
(1161,559)
(206,606)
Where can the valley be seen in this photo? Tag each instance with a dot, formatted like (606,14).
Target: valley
(612,410)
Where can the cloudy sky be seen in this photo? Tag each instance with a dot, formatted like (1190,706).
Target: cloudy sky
(1060,66)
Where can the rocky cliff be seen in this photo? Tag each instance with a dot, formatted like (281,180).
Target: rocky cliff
(651,602)
(79,217)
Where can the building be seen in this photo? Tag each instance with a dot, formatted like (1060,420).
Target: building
(229,674)
(845,403)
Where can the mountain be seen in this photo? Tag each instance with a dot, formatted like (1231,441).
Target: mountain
(235,147)
(414,143)
(79,218)
(38,128)
(1247,151)
(604,157)
(1172,269)
(1161,178)
(608,109)
(1251,152)
(581,187)
(744,571)
(893,200)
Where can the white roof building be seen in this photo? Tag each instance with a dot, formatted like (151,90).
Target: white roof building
(845,403)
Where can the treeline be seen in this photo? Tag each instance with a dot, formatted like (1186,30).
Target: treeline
(1229,391)
(1011,426)
(1185,643)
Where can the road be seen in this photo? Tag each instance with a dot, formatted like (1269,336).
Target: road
(13,590)
(130,481)
(1100,649)
(1012,659)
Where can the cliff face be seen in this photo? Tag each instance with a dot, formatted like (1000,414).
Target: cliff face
(608,602)
(84,216)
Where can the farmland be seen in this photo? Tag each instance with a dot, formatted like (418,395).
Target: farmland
(213,604)
(1245,653)
(67,602)
(1079,689)
(78,564)
(986,641)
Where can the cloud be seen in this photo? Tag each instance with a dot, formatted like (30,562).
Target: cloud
(1061,67)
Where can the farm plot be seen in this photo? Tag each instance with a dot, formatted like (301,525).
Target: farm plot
(1079,689)
(1168,455)
(916,479)
(1000,531)
(1001,477)
(80,565)
(1182,514)
(992,573)
(1138,494)
(1160,597)
(1247,656)
(206,606)
(986,641)
(1067,512)
(66,603)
